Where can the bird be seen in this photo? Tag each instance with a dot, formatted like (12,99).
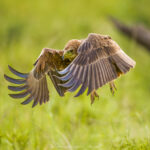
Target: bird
(88,63)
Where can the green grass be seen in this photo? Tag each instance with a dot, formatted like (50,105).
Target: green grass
(114,122)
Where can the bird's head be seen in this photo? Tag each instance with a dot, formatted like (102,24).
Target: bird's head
(70,50)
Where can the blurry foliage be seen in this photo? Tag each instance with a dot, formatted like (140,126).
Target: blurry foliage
(113,122)
(131,144)
(13,34)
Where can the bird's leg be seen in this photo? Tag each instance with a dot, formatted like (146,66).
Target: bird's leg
(112,87)
(93,95)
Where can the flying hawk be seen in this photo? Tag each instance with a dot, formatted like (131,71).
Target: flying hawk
(88,63)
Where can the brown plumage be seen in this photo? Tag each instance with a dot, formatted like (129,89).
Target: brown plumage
(89,63)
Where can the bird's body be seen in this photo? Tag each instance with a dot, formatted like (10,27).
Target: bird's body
(89,63)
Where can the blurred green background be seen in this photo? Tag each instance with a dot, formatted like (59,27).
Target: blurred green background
(114,122)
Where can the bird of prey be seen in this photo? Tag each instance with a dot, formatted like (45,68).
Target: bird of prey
(85,64)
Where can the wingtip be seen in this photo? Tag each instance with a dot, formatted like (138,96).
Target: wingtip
(78,94)
(64,71)
(15,81)
(11,95)
(9,66)
(19,95)
(63,78)
(28,100)
(134,63)
(57,77)
(17,73)
(17,88)
(34,103)
(5,76)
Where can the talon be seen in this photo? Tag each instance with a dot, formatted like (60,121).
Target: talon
(112,87)
(96,94)
(92,99)
(93,96)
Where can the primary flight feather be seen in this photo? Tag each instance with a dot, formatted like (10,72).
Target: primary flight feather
(88,63)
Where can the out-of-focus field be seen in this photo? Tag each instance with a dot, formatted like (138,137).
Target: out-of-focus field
(114,122)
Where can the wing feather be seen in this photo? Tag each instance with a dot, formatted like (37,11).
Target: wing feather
(84,82)
(100,70)
(17,88)
(20,95)
(77,84)
(100,60)
(34,83)
(91,80)
(56,81)
(97,76)
(30,87)
(28,100)
(123,62)
(42,95)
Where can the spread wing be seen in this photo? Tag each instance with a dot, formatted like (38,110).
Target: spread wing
(28,86)
(53,76)
(34,84)
(99,61)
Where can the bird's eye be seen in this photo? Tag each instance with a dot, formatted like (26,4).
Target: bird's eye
(71,50)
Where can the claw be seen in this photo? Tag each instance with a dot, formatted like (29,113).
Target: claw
(93,96)
(112,87)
